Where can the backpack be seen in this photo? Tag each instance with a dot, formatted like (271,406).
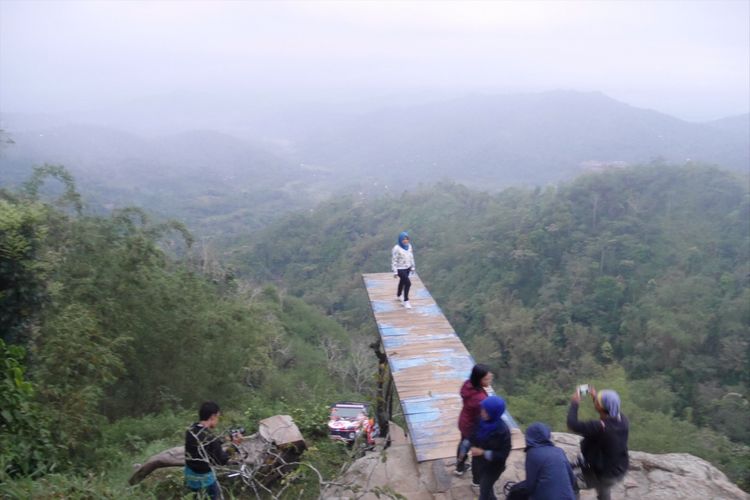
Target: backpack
(516,491)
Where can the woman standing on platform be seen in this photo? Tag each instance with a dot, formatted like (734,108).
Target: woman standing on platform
(402,264)
(473,392)
(490,446)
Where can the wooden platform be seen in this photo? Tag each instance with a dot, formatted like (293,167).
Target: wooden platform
(429,363)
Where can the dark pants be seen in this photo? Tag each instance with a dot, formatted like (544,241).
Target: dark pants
(588,479)
(602,485)
(488,473)
(404,283)
(462,454)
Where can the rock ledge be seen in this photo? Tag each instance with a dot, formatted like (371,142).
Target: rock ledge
(651,477)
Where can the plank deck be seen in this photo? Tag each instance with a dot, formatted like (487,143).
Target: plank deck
(428,362)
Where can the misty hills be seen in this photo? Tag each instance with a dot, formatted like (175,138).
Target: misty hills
(526,138)
(94,149)
(304,156)
(190,175)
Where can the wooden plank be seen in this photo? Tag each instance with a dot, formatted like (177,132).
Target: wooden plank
(428,361)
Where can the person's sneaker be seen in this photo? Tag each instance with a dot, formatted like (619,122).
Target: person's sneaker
(399,299)
(407,305)
(475,485)
(461,468)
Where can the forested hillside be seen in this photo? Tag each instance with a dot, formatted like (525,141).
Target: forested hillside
(110,341)
(636,278)
(114,327)
(208,178)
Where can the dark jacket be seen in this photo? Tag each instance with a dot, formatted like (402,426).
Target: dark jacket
(548,473)
(604,444)
(496,448)
(469,416)
(197,436)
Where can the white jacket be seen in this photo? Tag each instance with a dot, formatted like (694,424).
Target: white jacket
(402,259)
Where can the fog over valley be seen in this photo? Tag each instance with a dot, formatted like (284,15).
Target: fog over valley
(163,105)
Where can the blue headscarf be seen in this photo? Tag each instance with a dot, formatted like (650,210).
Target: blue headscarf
(610,401)
(538,434)
(401,240)
(495,407)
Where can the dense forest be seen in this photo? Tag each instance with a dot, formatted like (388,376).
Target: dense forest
(110,341)
(635,278)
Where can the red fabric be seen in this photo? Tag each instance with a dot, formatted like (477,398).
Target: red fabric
(469,416)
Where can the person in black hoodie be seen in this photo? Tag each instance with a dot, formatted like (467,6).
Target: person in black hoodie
(491,446)
(605,442)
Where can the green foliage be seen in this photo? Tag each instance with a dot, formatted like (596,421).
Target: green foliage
(55,486)
(25,443)
(76,362)
(128,329)
(22,272)
(70,195)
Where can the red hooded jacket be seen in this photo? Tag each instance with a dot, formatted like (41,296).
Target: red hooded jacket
(469,416)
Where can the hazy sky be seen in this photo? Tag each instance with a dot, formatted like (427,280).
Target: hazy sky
(686,58)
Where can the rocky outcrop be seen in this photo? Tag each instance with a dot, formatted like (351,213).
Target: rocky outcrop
(394,470)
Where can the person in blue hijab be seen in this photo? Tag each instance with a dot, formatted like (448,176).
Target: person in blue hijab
(402,264)
(490,446)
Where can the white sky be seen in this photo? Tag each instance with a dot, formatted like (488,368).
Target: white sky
(686,58)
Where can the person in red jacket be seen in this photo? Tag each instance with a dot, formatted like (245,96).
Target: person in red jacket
(472,393)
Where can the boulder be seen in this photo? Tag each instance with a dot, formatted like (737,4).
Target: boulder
(651,477)
(277,442)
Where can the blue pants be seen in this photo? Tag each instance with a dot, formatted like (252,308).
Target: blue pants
(212,491)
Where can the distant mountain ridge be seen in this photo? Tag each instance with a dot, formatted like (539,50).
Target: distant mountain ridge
(489,140)
(527,138)
(193,176)
(484,141)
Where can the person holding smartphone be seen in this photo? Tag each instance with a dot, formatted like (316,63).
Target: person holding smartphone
(604,447)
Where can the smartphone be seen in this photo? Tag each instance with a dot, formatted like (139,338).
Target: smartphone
(583,389)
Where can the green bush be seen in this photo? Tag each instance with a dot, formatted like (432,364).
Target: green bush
(25,442)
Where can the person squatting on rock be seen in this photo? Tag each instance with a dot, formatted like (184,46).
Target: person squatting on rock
(490,446)
(473,392)
(203,450)
(605,442)
(402,264)
(548,473)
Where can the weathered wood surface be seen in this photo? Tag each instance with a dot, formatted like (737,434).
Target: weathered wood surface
(428,363)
